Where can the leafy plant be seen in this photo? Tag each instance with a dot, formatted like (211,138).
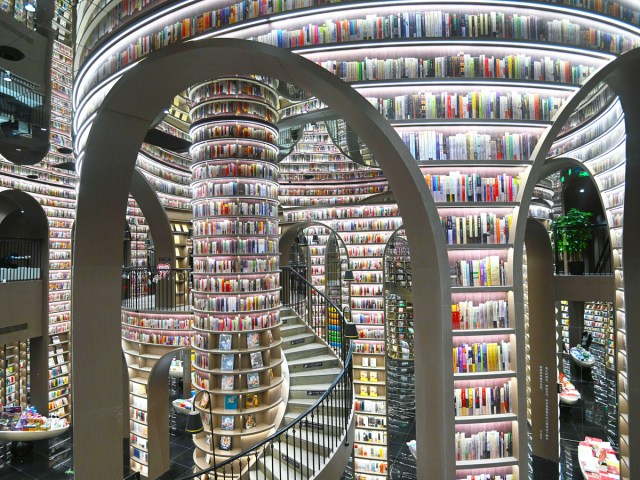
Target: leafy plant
(573,233)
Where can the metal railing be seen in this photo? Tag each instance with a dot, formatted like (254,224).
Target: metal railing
(314,307)
(302,448)
(150,288)
(20,259)
(595,260)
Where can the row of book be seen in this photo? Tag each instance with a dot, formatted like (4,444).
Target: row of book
(183,323)
(236,168)
(367,303)
(483,400)
(479,104)
(473,187)
(471,145)
(234,227)
(212,208)
(231,86)
(218,284)
(368,347)
(232,130)
(324,201)
(238,304)
(230,107)
(462,65)
(235,246)
(167,186)
(220,265)
(227,361)
(362,450)
(483,445)
(438,24)
(490,314)
(158,169)
(166,156)
(373,224)
(482,357)
(208,151)
(332,192)
(155,338)
(228,324)
(210,188)
(484,228)
(490,271)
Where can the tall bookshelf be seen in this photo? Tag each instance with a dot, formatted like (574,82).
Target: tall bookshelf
(236,294)
(146,337)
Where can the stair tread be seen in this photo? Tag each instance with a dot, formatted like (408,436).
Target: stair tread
(318,358)
(320,371)
(303,348)
(291,326)
(311,386)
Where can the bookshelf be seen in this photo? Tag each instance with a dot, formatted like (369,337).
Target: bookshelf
(146,338)
(236,294)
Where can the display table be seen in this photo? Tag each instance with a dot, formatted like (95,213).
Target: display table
(182,406)
(597,460)
(569,394)
(30,435)
(582,358)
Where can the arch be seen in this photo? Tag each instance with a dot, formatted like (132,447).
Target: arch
(620,75)
(106,170)
(26,302)
(152,209)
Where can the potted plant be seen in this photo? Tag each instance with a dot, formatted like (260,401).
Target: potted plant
(572,233)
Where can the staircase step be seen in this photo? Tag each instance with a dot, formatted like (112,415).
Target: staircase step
(299,340)
(318,361)
(301,460)
(291,329)
(318,375)
(270,468)
(312,390)
(286,319)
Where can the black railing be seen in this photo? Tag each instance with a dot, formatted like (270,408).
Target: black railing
(20,259)
(301,449)
(314,307)
(596,258)
(150,288)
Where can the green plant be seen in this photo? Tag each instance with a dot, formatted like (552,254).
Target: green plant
(573,233)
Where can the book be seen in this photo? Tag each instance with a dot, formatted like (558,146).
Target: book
(256,360)
(204,400)
(364,376)
(269,337)
(225,443)
(365,362)
(253,340)
(373,391)
(253,380)
(250,421)
(373,377)
(226,422)
(224,341)
(252,401)
(227,382)
(230,402)
(227,362)
(363,391)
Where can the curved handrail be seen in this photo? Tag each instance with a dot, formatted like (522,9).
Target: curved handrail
(323,422)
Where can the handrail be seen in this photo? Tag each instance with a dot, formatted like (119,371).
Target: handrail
(320,428)
(156,289)
(316,316)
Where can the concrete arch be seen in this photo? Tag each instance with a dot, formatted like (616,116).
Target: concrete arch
(156,216)
(108,162)
(620,75)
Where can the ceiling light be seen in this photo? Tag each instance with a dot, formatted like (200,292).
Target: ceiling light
(7,76)
(582,190)
(30,6)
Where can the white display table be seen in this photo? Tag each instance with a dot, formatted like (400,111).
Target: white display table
(590,464)
(584,363)
(179,408)
(30,435)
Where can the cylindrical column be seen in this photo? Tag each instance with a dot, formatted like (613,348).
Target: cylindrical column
(236,291)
